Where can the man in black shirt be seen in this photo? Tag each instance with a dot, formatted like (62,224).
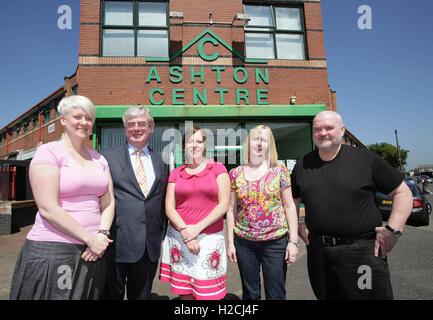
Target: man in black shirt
(346,244)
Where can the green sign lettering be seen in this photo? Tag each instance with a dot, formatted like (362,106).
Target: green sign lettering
(153,75)
(152,101)
(201,52)
(176,73)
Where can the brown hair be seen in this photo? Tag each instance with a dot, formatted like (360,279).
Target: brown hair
(190,132)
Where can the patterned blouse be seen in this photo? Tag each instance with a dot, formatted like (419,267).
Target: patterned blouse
(261,213)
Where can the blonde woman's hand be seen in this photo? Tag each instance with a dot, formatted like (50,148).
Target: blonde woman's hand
(291,252)
(231,252)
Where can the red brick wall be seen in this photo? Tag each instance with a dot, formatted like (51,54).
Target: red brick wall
(30,139)
(89,27)
(125,84)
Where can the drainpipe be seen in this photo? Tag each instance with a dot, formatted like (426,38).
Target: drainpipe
(7,140)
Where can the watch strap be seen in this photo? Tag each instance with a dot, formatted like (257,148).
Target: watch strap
(395,232)
(104,232)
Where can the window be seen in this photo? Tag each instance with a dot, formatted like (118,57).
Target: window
(275,32)
(26,126)
(35,120)
(134,29)
(46,115)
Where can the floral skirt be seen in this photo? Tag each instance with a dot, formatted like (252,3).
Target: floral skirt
(202,275)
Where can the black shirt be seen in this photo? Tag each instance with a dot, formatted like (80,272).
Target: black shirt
(339,195)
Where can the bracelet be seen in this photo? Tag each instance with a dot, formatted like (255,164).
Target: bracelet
(295,243)
(104,232)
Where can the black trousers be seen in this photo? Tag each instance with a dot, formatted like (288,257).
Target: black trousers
(349,271)
(136,277)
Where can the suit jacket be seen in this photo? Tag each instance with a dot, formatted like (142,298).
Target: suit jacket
(139,222)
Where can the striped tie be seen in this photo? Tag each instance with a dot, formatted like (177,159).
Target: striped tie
(140,174)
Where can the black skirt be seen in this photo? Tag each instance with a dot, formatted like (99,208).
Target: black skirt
(55,271)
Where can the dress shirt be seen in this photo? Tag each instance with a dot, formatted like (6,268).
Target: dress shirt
(147,163)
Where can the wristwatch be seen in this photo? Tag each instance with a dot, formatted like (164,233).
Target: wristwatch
(105,232)
(397,233)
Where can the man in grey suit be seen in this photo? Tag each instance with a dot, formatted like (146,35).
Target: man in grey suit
(140,181)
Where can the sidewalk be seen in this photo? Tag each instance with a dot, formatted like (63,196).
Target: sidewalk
(10,246)
(297,284)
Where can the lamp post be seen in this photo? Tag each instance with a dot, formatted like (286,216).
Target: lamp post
(398,149)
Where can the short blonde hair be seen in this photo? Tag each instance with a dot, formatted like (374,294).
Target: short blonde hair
(76,102)
(272,154)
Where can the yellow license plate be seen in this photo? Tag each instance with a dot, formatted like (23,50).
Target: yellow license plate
(386,201)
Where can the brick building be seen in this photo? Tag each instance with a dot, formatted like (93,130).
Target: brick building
(224,65)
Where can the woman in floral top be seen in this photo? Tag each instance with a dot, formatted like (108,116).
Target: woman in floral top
(260,215)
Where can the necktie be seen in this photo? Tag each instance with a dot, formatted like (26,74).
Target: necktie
(140,174)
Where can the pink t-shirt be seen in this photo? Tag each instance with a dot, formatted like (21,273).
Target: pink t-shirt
(79,191)
(197,195)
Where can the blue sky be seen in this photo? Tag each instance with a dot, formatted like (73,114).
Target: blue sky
(383,76)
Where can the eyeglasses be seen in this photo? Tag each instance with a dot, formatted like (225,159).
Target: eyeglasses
(141,125)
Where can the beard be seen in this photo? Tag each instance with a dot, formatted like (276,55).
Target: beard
(328,144)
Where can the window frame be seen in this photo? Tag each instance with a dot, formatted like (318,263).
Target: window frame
(135,26)
(273,31)
(46,115)
(26,125)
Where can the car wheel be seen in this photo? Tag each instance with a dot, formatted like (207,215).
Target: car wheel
(428,208)
(426,220)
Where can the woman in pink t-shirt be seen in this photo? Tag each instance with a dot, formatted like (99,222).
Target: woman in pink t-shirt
(194,258)
(63,256)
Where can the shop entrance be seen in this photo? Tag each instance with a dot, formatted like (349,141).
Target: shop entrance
(225,140)
(230,156)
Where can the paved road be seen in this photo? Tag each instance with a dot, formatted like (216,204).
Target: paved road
(411,265)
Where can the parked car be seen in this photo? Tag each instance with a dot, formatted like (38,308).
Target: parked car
(420,211)
(410,179)
(427,178)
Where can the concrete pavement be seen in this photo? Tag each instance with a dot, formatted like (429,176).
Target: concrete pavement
(298,285)
(411,267)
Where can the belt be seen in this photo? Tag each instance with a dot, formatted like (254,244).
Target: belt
(337,241)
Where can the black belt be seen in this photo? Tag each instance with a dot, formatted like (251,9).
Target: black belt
(338,241)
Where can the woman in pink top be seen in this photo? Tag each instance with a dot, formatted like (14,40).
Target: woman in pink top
(63,256)
(194,258)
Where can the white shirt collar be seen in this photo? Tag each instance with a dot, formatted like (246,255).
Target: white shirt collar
(132,150)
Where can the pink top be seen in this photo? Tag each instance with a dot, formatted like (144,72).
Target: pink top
(197,195)
(79,191)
